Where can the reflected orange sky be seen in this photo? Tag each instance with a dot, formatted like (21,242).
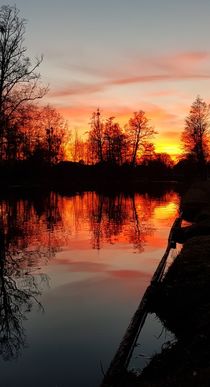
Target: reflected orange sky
(91,233)
(69,222)
(112,244)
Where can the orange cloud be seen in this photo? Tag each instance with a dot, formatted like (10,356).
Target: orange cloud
(154,112)
(158,113)
(77,89)
(162,93)
(171,134)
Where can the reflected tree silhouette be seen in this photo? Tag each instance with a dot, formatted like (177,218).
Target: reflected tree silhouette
(140,225)
(33,229)
(136,236)
(19,287)
(96,213)
(111,216)
(16,299)
(31,223)
(107,216)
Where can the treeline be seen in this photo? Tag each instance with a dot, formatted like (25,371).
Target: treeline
(109,143)
(34,133)
(26,130)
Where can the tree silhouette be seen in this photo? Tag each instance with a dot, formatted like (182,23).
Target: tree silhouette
(139,132)
(96,137)
(109,143)
(196,133)
(148,153)
(52,135)
(19,80)
(114,142)
(78,149)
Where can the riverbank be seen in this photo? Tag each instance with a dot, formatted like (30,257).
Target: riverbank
(68,178)
(182,302)
(68,175)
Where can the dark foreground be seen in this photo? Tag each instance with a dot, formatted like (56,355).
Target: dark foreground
(182,302)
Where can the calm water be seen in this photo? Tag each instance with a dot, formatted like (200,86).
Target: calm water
(72,272)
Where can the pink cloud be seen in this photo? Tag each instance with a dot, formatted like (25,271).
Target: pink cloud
(77,89)
(180,63)
(85,88)
(192,57)
(146,64)
(158,78)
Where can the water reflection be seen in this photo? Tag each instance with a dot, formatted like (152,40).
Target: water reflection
(48,222)
(19,288)
(85,242)
(111,216)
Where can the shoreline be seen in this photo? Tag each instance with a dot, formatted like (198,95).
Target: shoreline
(182,302)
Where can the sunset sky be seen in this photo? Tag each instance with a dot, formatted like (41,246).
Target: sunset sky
(122,56)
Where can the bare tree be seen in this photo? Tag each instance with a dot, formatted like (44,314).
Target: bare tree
(114,142)
(148,153)
(196,133)
(139,132)
(19,79)
(79,148)
(96,137)
(54,135)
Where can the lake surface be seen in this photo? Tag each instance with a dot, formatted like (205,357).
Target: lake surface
(72,272)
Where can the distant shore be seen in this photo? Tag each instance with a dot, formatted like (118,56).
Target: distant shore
(78,176)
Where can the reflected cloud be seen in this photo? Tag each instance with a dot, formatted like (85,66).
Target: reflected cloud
(82,266)
(129,274)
